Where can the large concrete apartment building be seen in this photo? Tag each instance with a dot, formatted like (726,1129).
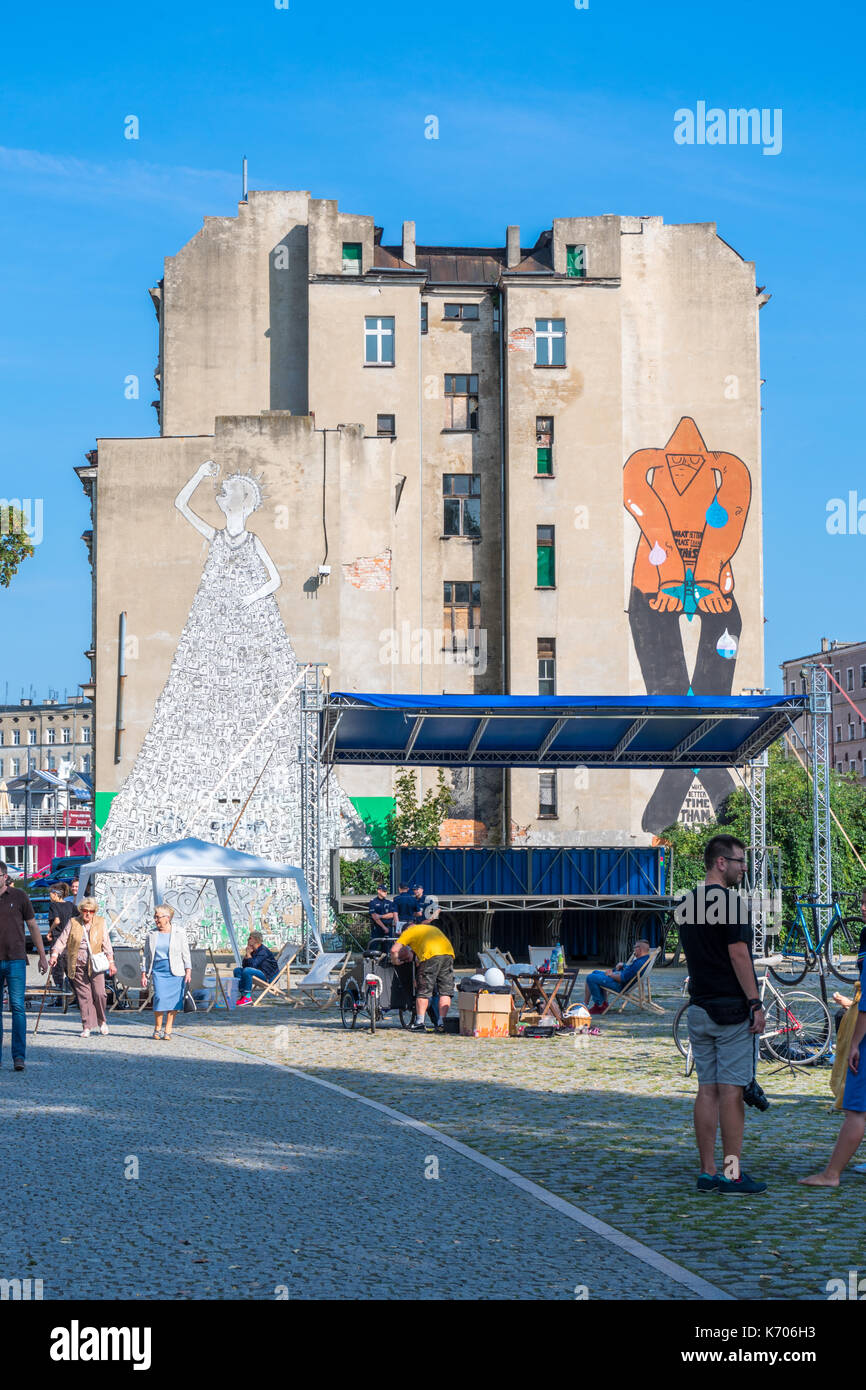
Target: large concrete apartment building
(522,468)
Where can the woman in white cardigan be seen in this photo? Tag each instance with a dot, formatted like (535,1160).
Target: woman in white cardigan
(168,964)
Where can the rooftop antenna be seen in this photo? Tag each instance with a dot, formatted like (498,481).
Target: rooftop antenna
(244,180)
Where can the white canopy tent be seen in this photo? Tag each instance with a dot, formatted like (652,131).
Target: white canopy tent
(193,858)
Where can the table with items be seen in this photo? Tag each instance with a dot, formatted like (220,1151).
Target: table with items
(541,992)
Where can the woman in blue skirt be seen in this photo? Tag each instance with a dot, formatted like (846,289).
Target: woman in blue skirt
(167,963)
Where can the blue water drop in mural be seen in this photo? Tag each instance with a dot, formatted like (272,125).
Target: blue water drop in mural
(727,646)
(717,517)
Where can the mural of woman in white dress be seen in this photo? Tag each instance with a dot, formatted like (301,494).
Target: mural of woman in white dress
(233,663)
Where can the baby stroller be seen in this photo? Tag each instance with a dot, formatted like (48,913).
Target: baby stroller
(374,984)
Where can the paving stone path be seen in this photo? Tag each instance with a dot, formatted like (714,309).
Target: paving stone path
(606,1124)
(222,1178)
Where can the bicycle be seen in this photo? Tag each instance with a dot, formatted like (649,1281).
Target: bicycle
(797,952)
(797,1032)
(361,991)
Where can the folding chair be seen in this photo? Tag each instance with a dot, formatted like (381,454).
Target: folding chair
(128,977)
(34,985)
(325,975)
(638,991)
(501,958)
(278,985)
(538,955)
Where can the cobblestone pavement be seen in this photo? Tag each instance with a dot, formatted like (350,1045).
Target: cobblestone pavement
(606,1123)
(224,1179)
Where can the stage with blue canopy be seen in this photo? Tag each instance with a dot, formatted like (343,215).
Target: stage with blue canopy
(613,731)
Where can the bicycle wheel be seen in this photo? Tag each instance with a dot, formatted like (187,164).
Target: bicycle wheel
(798,1027)
(681,1029)
(842,950)
(793,957)
(372,1007)
(348,1008)
(406,1017)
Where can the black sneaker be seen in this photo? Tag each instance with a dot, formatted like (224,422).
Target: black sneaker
(708,1182)
(743,1184)
(18,1064)
(418,1026)
(440,1026)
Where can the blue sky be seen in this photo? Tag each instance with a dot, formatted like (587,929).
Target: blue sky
(544,111)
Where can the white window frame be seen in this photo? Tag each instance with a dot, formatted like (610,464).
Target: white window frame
(378,336)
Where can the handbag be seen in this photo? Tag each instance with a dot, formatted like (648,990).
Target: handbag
(99,962)
(188,1001)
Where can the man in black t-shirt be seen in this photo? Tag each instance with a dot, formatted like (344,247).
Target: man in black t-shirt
(725,1012)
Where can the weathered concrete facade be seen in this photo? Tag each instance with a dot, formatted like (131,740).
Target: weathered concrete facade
(268,323)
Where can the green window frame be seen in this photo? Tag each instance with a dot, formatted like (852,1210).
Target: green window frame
(544,446)
(351,258)
(575,262)
(545,553)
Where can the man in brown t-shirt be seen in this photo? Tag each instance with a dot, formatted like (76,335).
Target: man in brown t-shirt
(16,912)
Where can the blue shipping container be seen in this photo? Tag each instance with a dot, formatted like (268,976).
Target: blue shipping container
(533,872)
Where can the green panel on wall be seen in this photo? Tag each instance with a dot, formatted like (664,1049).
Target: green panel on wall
(374,811)
(101,807)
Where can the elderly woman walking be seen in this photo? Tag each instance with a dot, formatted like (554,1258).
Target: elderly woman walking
(167,962)
(84,938)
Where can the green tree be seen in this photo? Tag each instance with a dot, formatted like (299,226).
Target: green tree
(418,823)
(789,828)
(15,544)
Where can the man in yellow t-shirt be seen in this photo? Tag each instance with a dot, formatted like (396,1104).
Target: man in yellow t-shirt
(434,969)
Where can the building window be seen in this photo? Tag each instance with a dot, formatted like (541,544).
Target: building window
(863,677)
(85,763)
(31,736)
(837,674)
(497,320)
(461,402)
(850,730)
(575,261)
(793,689)
(1,768)
(386,426)
(378,342)
(462,612)
(460,311)
(545,546)
(849,678)
(546,795)
(85,735)
(50,763)
(461,500)
(65,736)
(838,733)
(351,258)
(423,315)
(15,766)
(547,665)
(550,342)
(16,737)
(51,736)
(544,446)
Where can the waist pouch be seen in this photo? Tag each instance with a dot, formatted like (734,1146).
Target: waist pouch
(726,1011)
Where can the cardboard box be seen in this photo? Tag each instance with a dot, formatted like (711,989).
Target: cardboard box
(487,1015)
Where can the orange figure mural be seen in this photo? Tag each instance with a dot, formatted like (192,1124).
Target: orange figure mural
(691,505)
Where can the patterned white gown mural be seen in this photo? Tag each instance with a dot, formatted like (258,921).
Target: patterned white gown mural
(233,663)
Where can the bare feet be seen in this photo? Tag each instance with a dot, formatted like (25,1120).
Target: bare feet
(819,1180)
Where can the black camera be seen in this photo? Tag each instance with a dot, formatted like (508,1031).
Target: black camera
(753,1095)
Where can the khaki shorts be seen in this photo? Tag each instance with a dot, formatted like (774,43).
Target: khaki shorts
(434,976)
(724,1053)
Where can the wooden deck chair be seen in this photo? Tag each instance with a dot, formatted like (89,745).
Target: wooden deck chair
(638,991)
(501,958)
(538,955)
(324,976)
(278,985)
(486,960)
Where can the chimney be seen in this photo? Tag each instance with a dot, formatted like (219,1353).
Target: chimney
(409,242)
(825,645)
(512,247)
